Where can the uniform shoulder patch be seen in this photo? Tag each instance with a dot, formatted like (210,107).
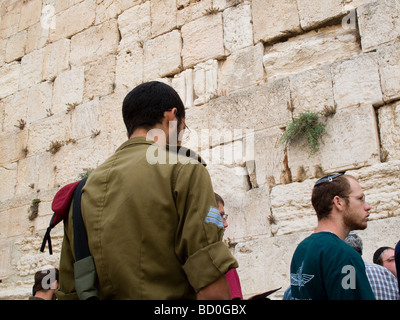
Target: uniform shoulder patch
(213,216)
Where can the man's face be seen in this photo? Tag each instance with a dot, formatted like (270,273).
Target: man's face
(388,261)
(221,210)
(356,214)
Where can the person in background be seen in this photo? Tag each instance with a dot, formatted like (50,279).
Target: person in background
(232,275)
(382,281)
(46,284)
(323,266)
(384,256)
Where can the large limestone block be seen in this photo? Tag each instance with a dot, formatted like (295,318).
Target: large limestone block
(31,69)
(136,22)
(56,59)
(389,71)
(15,109)
(73,20)
(310,50)
(100,77)
(9,79)
(30,13)
(241,69)
(274,19)
(379,23)
(129,69)
(183,84)
(238,29)
(291,208)
(189,10)
(42,133)
(68,89)
(8,174)
(269,157)
(389,125)
(15,48)
(264,263)
(357,81)
(202,40)
(256,108)
(163,16)
(315,12)
(40,99)
(12,145)
(351,142)
(205,82)
(84,119)
(162,56)
(312,90)
(381,186)
(94,43)
(247,213)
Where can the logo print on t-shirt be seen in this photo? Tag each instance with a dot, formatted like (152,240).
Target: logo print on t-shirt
(299,279)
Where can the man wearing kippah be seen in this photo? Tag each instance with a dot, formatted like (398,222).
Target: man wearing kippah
(323,266)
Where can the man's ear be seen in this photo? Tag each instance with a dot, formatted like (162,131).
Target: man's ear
(339,202)
(170,115)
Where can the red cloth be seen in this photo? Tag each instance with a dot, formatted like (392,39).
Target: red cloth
(62,201)
(234,283)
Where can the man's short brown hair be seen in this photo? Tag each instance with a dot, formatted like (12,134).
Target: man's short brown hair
(324,192)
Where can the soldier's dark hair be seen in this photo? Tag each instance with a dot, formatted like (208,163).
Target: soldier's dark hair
(145,105)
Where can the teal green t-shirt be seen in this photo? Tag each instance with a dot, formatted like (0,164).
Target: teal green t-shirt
(325,268)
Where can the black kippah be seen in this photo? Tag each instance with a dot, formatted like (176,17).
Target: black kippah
(378,253)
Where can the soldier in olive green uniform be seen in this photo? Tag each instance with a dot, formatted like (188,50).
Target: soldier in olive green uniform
(153,227)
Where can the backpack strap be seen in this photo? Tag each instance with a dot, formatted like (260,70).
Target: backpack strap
(84,267)
(81,245)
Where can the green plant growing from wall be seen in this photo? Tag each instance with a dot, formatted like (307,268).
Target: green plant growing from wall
(307,126)
(34,209)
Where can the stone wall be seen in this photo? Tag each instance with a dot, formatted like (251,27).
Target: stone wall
(243,70)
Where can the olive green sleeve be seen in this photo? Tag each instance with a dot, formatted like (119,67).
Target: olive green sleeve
(198,243)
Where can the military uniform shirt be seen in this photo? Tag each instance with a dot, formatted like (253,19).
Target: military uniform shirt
(153,228)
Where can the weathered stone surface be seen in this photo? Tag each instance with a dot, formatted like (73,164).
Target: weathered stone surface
(16,46)
(162,55)
(100,77)
(268,101)
(238,29)
(389,71)
(313,13)
(12,144)
(68,89)
(136,23)
(30,13)
(94,43)
(205,81)
(73,20)
(381,184)
(379,23)
(163,16)
(389,128)
(351,142)
(269,157)
(31,69)
(357,81)
(202,40)
(9,80)
(189,10)
(8,172)
(241,69)
(295,213)
(129,69)
(310,50)
(56,59)
(312,90)
(265,23)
